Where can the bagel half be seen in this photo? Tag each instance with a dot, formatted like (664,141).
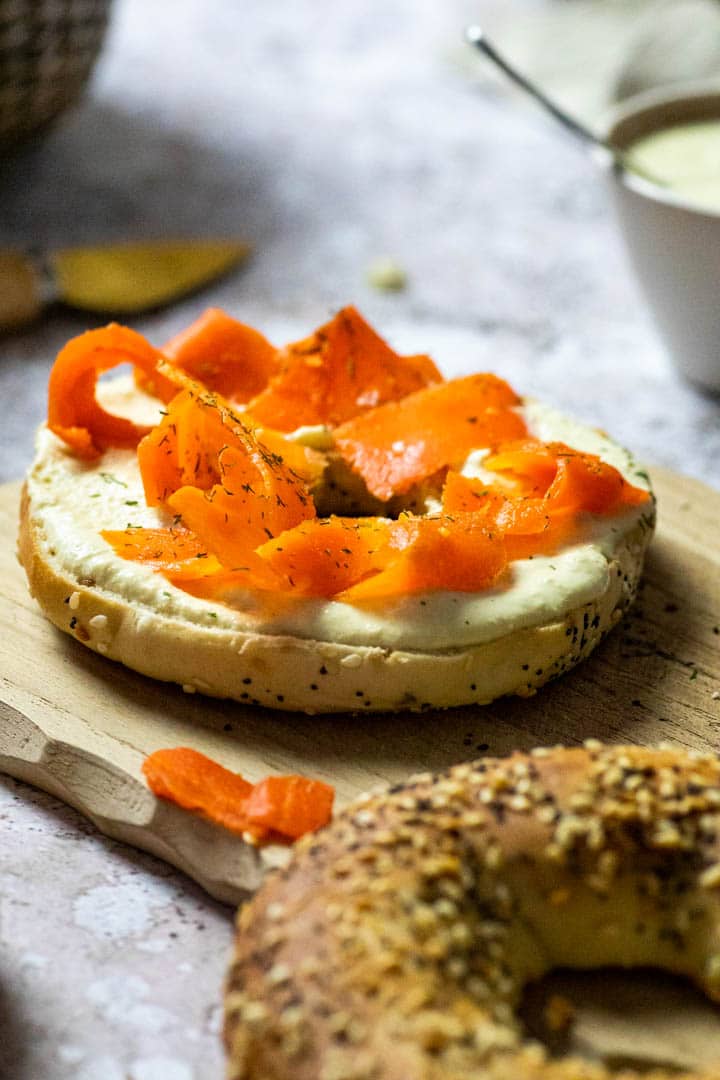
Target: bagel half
(398,940)
(433,650)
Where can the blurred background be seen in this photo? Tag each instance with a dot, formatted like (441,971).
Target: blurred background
(335,136)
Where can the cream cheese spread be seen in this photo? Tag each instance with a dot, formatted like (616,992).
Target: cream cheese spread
(78,499)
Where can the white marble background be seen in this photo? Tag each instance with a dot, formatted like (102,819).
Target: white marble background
(328,134)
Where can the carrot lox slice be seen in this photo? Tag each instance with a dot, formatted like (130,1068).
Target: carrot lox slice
(343,369)
(224,355)
(184,448)
(399,444)
(290,805)
(279,807)
(528,525)
(74,413)
(196,782)
(324,556)
(526,465)
(258,497)
(585,482)
(456,552)
(576,481)
(178,553)
(158,456)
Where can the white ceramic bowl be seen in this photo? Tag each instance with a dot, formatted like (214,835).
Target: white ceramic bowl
(674,246)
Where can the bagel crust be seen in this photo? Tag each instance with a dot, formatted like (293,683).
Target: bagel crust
(397,942)
(429,657)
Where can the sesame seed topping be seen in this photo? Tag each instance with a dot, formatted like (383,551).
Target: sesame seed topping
(279,973)
(710,878)
(431,883)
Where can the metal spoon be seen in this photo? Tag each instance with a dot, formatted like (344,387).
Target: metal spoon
(621,159)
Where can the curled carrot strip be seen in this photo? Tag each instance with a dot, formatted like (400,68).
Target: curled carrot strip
(282,808)
(196,782)
(455,552)
(224,355)
(198,425)
(401,443)
(325,556)
(176,552)
(74,413)
(343,369)
(568,479)
(290,805)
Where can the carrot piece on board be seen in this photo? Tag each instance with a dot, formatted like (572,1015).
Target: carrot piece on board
(290,805)
(74,413)
(324,556)
(197,783)
(343,369)
(279,807)
(401,443)
(224,354)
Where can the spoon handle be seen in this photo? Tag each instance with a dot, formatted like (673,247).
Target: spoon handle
(476,36)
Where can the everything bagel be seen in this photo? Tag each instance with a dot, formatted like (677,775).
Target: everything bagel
(398,941)
(324,527)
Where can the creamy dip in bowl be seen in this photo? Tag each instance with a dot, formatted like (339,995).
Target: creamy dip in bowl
(672,228)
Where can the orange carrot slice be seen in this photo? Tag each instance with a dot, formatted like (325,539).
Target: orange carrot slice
(278,807)
(343,369)
(307,463)
(158,455)
(73,410)
(324,556)
(290,805)
(184,448)
(526,465)
(218,583)
(528,525)
(399,444)
(585,483)
(455,552)
(196,782)
(178,553)
(576,481)
(257,498)
(224,355)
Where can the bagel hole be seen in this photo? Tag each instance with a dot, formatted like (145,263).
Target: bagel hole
(343,491)
(640,1019)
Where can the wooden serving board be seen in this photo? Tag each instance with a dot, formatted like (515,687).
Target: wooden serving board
(79,726)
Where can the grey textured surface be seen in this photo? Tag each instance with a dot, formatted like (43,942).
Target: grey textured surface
(329,135)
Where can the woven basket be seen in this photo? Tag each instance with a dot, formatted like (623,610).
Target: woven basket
(47,50)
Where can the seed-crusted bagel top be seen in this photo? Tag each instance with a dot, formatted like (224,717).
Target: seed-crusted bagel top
(397,942)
